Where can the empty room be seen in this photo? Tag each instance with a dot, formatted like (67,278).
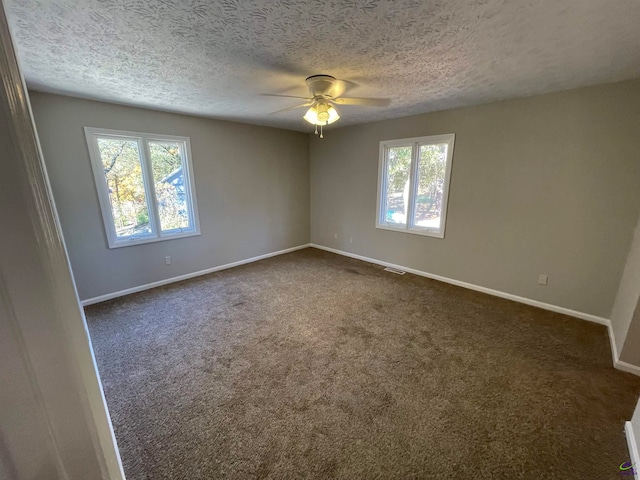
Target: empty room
(359,239)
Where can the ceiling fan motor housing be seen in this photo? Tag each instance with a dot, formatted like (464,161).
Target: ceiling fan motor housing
(320,85)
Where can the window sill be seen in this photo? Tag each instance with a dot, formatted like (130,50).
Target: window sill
(415,231)
(130,242)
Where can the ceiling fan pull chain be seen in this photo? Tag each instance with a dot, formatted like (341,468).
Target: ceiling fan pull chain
(316,132)
(321,136)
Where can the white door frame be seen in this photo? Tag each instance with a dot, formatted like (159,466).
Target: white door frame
(54,421)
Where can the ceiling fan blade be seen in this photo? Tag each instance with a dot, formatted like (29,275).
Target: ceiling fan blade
(292,108)
(339,87)
(369,102)
(284,96)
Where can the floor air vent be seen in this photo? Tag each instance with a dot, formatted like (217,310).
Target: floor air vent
(394,270)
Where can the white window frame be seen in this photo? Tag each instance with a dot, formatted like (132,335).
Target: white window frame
(415,143)
(156,235)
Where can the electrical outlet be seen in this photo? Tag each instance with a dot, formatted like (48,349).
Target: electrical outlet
(543,279)
(167,260)
(335,236)
(350,239)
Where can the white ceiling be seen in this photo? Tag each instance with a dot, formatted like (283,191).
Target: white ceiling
(216,57)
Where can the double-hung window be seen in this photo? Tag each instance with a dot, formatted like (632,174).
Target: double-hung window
(145,186)
(413,184)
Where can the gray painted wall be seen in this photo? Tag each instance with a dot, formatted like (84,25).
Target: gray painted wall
(252,188)
(631,349)
(625,317)
(540,185)
(635,427)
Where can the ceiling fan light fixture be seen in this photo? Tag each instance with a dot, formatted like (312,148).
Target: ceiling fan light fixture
(311,116)
(326,91)
(321,114)
(333,115)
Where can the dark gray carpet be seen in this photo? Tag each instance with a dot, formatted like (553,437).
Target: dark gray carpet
(311,365)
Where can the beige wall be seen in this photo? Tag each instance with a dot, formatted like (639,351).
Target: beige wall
(630,352)
(252,188)
(541,185)
(635,427)
(625,317)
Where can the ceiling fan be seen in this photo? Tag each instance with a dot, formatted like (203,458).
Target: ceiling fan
(325,93)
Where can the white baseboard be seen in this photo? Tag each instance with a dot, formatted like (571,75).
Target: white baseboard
(617,363)
(471,286)
(626,367)
(166,281)
(633,448)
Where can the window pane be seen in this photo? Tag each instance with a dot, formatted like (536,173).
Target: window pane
(397,194)
(431,171)
(123,172)
(169,181)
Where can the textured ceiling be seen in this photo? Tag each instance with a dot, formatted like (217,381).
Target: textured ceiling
(215,57)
